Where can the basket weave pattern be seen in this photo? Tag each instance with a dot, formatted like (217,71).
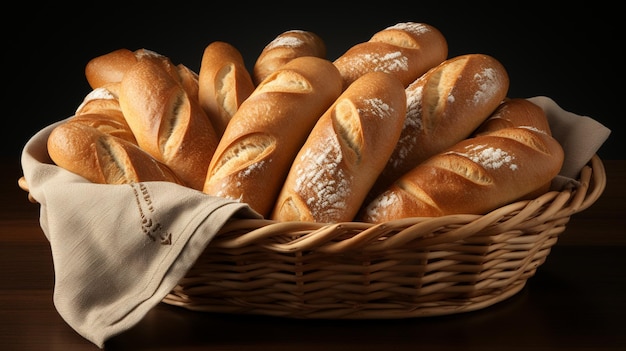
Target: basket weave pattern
(405,268)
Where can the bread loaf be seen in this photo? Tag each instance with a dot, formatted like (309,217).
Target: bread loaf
(518,112)
(406,49)
(224,83)
(444,106)
(101,157)
(284,48)
(167,123)
(344,153)
(110,67)
(103,100)
(264,135)
(474,176)
(515,112)
(108,124)
(101,109)
(189,81)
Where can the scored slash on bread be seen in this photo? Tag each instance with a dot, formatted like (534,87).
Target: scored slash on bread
(223,83)
(100,157)
(515,112)
(474,176)
(344,152)
(101,109)
(284,48)
(444,106)
(263,136)
(406,50)
(167,123)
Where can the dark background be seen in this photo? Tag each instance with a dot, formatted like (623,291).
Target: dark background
(572,55)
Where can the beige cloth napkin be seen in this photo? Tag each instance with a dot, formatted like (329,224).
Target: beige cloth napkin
(119,249)
(580,137)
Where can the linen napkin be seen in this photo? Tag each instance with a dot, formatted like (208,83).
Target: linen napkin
(580,137)
(118,250)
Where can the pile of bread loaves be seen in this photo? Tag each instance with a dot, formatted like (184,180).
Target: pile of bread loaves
(392,128)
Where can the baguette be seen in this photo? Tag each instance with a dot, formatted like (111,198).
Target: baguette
(444,106)
(474,176)
(101,109)
(515,112)
(103,100)
(189,81)
(111,67)
(167,123)
(224,83)
(110,124)
(518,112)
(264,135)
(406,49)
(284,48)
(344,153)
(101,157)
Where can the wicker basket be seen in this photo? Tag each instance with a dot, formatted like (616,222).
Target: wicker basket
(405,268)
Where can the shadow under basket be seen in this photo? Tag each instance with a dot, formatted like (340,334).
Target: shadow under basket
(410,267)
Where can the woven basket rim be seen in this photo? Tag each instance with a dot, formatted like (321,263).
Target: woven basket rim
(302,236)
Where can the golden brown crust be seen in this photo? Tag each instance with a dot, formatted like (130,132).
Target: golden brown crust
(166,122)
(444,106)
(515,112)
(101,109)
(406,49)
(344,153)
(111,123)
(518,112)
(100,100)
(189,81)
(258,146)
(101,157)
(474,176)
(284,48)
(110,67)
(224,83)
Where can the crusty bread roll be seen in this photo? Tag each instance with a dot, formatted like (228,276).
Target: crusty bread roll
(103,99)
(110,67)
(101,109)
(264,135)
(101,157)
(406,49)
(344,153)
(515,112)
(518,112)
(224,83)
(109,123)
(167,123)
(284,48)
(474,176)
(444,106)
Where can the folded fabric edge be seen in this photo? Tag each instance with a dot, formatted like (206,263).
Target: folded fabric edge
(197,242)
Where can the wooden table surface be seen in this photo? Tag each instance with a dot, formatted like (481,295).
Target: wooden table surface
(576,300)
